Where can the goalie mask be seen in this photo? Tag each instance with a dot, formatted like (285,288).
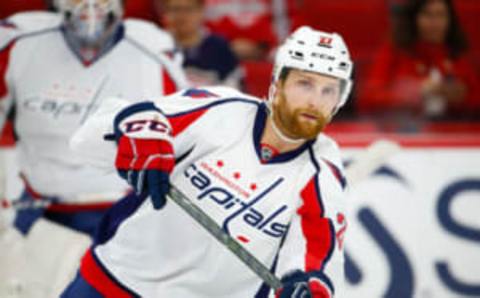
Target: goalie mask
(91,21)
(318,52)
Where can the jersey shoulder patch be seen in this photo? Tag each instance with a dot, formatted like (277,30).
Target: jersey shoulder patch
(149,36)
(35,21)
(25,24)
(203,98)
(221,92)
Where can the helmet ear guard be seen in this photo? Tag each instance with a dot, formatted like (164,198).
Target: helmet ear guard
(318,52)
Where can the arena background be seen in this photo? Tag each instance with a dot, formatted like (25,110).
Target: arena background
(414,229)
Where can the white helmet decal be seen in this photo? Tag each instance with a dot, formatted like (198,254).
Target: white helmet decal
(316,51)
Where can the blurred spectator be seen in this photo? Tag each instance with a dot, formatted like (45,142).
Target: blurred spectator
(245,23)
(253,27)
(424,72)
(208,59)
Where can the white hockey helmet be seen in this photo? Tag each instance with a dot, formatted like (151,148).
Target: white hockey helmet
(316,51)
(90,19)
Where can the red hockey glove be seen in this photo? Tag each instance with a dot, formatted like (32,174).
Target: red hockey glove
(145,156)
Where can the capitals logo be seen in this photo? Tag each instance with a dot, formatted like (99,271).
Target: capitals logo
(237,202)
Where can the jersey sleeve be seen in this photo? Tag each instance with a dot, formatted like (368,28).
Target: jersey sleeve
(186,109)
(181,109)
(314,242)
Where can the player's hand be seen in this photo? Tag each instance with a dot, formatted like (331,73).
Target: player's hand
(299,284)
(145,152)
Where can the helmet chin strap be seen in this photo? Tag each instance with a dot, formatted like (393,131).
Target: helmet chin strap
(278,132)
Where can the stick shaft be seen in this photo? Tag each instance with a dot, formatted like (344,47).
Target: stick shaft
(213,228)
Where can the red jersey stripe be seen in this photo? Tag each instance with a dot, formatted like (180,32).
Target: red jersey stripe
(316,229)
(99,279)
(169,85)
(4,61)
(181,122)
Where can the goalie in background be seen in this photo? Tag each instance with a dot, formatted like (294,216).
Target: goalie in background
(58,68)
(264,171)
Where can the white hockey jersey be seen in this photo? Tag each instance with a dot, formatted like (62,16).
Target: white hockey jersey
(288,211)
(53,92)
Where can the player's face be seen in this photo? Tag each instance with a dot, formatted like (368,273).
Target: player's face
(90,20)
(305,103)
(433,21)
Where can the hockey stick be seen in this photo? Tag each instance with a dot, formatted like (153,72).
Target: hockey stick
(213,228)
(369,160)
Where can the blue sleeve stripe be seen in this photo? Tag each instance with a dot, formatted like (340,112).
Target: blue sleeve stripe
(213,104)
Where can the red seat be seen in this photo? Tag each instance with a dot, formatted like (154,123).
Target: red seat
(257,77)
(468,12)
(351,127)
(452,127)
(7,8)
(363,24)
(140,9)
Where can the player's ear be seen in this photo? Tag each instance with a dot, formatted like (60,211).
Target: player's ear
(272,91)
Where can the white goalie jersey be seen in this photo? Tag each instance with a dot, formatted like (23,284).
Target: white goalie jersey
(53,92)
(288,211)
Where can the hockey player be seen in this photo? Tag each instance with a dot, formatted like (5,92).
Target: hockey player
(264,172)
(58,68)
(55,70)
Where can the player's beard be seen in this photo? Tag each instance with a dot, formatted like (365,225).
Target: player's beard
(292,124)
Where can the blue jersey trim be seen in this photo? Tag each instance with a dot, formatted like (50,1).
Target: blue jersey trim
(79,287)
(116,215)
(317,177)
(130,110)
(332,241)
(213,104)
(337,173)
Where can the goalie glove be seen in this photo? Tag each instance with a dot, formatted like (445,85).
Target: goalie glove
(299,284)
(145,152)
